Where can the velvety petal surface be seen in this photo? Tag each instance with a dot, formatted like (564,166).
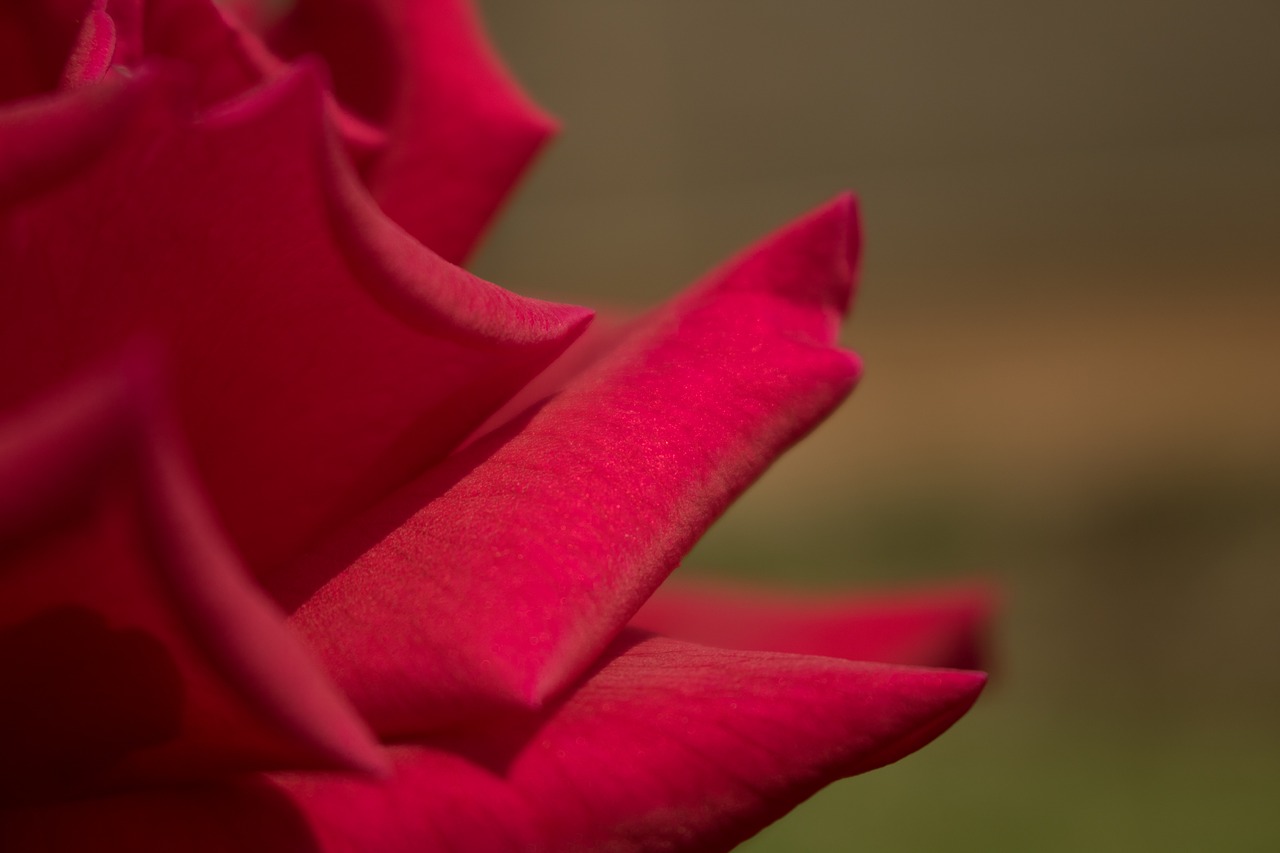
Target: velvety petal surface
(667,746)
(943,627)
(500,575)
(460,131)
(133,647)
(321,355)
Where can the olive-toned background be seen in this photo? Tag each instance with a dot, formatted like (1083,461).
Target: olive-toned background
(1069,314)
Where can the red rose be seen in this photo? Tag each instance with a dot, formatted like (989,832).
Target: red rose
(288,558)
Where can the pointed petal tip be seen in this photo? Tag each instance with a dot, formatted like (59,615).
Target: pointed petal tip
(932,701)
(839,222)
(811,262)
(948,690)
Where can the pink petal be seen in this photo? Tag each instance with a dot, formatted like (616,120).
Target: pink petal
(667,746)
(321,356)
(94,48)
(132,645)
(460,130)
(944,627)
(497,577)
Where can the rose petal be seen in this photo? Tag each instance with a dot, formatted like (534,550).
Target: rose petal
(499,576)
(667,746)
(36,38)
(132,645)
(608,330)
(248,816)
(229,59)
(94,48)
(321,355)
(944,627)
(460,129)
(51,138)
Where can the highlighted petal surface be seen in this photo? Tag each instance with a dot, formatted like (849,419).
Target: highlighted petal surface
(498,577)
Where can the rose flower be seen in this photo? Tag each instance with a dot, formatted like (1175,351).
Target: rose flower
(311,540)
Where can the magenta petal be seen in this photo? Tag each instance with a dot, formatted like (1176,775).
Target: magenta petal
(94,48)
(668,746)
(132,645)
(499,576)
(944,627)
(460,130)
(321,356)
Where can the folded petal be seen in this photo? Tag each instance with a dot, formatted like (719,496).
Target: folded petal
(133,647)
(229,59)
(944,627)
(460,131)
(500,575)
(321,355)
(667,746)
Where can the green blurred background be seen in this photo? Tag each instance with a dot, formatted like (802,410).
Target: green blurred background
(1069,316)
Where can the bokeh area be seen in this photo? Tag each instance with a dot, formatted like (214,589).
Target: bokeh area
(1070,315)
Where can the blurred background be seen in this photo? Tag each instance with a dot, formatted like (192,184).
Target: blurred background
(1069,315)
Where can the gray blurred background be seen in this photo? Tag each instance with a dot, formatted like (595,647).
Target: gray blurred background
(1069,314)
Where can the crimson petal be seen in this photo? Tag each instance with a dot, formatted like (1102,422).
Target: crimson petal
(47,139)
(132,645)
(499,576)
(322,356)
(943,627)
(229,59)
(36,39)
(460,131)
(667,746)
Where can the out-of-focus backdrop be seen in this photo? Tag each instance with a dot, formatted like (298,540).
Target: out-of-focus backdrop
(1070,314)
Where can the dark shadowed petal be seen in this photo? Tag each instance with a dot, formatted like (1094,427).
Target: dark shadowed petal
(943,627)
(500,575)
(321,355)
(228,59)
(667,746)
(47,139)
(36,40)
(133,647)
(460,131)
